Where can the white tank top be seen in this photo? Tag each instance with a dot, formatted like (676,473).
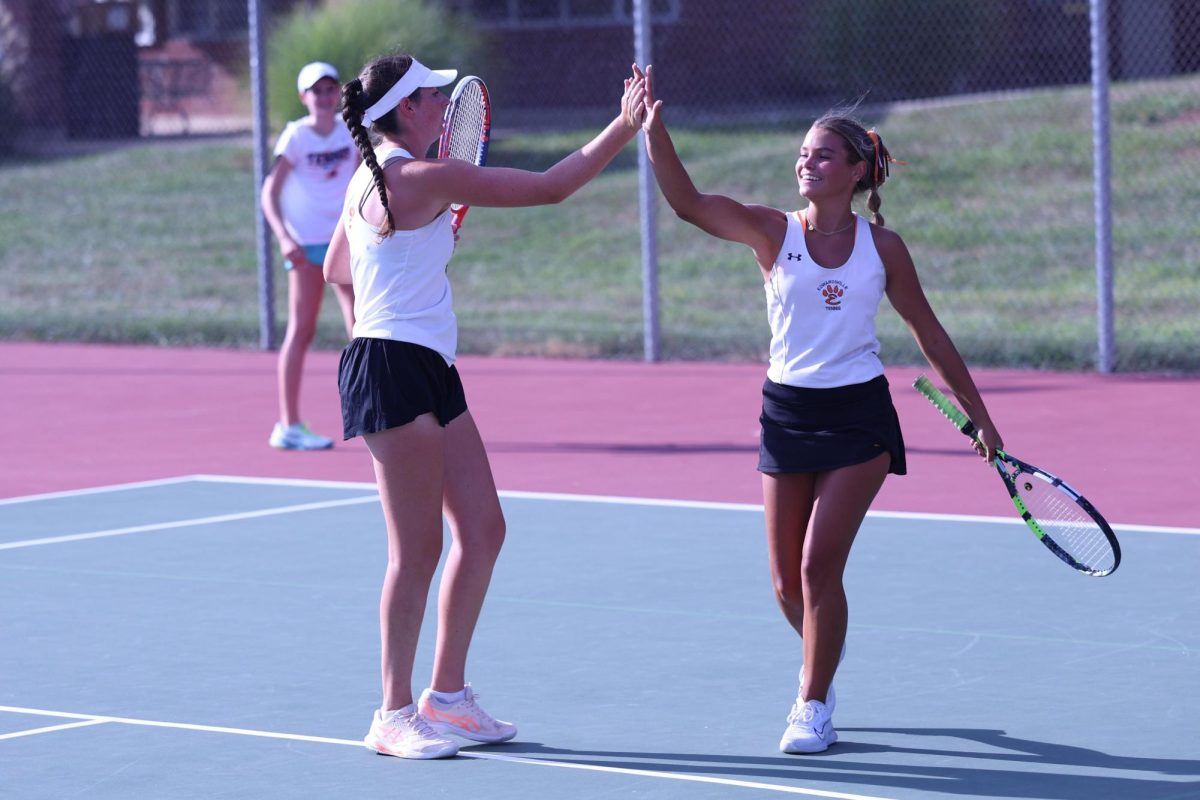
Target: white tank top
(823,319)
(401,290)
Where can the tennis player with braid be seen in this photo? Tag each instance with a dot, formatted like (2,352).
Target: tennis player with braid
(830,434)
(401,391)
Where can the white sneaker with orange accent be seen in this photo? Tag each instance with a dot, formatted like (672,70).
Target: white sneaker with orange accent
(406,734)
(464,718)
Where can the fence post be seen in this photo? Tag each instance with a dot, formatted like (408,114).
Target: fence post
(1102,180)
(266,283)
(647,196)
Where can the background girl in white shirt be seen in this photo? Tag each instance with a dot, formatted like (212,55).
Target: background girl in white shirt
(302,199)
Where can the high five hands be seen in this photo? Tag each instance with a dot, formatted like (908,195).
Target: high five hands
(649,115)
(633,102)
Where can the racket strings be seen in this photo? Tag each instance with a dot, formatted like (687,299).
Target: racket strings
(1066,523)
(466,126)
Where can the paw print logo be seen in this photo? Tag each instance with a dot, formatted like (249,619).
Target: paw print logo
(833,294)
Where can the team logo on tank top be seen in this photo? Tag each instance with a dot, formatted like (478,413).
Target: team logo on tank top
(832,291)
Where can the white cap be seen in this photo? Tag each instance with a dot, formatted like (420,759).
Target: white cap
(311,73)
(418,76)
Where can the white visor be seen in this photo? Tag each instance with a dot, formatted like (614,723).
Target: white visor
(418,76)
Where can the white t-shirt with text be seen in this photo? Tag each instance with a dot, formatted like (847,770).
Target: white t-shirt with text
(321,167)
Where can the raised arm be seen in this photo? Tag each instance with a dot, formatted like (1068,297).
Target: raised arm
(760,228)
(445,181)
(908,298)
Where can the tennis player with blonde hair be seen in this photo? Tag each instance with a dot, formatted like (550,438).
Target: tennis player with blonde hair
(830,434)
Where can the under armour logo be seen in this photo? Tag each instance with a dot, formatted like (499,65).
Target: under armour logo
(795,256)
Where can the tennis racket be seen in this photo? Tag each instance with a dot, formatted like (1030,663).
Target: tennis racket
(466,131)
(1059,516)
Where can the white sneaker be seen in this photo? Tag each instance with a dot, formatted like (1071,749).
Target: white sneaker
(831,695)
(464,718)
(810,728)
(406,734)
(297,437)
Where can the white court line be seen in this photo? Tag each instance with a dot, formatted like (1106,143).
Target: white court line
(188,523)
(296,737)
(117,487)
(48,729)
(302,482)
(631,501)
(584,498)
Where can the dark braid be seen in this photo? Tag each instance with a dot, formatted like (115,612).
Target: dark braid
(357,96)
(861,145)
(353,106)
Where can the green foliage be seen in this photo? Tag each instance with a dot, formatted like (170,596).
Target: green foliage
(348,35)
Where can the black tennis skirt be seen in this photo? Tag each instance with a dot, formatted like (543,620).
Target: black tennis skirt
(385,384)
(815,430)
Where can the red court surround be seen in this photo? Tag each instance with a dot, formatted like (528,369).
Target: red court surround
(75,416)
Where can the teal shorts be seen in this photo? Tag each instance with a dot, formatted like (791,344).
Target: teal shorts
(313,252)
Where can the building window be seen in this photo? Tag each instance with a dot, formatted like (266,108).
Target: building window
(563,13)
(209,19)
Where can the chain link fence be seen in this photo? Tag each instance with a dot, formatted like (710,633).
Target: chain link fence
(987,100)
(122,69)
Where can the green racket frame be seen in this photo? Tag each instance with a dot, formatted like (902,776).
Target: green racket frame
(963,423)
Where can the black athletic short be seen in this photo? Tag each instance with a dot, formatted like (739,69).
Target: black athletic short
(814,430)
(385,384)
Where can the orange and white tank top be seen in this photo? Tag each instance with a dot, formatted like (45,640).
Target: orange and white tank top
(823,318)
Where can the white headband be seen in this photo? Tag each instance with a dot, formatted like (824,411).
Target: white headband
(417,77)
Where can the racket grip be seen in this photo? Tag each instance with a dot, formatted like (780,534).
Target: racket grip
(946,406)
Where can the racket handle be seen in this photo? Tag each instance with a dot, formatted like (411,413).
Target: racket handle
(946,406)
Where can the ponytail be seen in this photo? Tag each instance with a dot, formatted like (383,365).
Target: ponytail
(862,145)
(881,159)
(353,106)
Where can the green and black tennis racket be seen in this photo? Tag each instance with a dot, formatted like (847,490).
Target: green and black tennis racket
(1059,516)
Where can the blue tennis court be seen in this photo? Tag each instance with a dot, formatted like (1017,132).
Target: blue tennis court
(215,637)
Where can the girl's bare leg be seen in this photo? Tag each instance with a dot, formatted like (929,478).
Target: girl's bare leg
(477,529)
(409,463)
(842,497)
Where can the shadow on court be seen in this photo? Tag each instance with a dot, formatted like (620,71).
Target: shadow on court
(1031,772)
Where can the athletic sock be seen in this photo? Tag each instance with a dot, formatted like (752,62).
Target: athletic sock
(449,697)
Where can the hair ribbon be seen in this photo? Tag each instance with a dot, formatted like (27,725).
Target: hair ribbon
(882,157)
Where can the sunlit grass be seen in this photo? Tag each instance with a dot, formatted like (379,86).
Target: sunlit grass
(155,243)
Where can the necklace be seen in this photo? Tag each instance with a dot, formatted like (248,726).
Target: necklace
(812,227)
